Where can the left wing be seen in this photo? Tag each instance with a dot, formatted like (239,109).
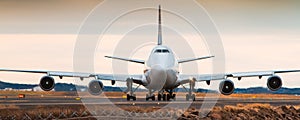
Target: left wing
(258,73)
(185,78)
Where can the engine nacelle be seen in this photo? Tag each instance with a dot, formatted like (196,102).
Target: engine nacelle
(47,83)
(274,83)
(95,87)
(226,87)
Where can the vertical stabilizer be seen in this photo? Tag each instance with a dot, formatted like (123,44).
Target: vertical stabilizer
(159,41)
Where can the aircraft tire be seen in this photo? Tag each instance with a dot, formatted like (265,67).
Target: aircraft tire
(159,96)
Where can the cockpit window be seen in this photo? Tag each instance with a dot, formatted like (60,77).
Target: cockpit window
(161,51)
(158,51)
(165,51)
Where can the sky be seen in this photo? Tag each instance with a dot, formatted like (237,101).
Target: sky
(256,36)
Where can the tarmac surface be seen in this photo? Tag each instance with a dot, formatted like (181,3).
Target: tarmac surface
(142,102)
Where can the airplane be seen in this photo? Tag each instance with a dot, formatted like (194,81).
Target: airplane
(161,75)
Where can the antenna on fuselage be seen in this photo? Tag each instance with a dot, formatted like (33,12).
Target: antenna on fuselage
(159,41)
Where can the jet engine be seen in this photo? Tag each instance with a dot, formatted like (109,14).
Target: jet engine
(226,87)
(95,87)
(274,83)
(47,83)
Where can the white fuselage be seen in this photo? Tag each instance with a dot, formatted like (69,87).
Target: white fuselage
(162,69)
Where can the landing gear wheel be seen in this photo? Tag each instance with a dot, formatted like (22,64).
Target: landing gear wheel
(192,97)
(153,98)
(168,97)
(159,96)
(134,98)
(164,97)
(150,97)
(174,97)
(128,97)
(131,97)
(187,97)
(147,97)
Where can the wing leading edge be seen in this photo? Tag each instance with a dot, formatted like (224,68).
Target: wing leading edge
(126,59)
(185,78)
(110,77)
(193,59)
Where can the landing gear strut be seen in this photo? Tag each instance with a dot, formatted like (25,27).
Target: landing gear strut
(130,95)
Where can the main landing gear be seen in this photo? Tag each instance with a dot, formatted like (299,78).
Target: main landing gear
(150,97)
(133,97)
(130,90)
(167,96)
(191,96)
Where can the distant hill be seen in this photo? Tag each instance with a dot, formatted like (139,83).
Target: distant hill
(4,85)
(256,90)
(58,87)
(72,87)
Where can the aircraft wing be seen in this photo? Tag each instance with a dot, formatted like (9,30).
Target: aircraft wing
(185,78)
(258,73)
(53,73)
(112,77)
(137,78)
(126,59)
(193,59)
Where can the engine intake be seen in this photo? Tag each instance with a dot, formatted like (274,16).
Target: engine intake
(226,87)
(47,83)
(95,87)
(274,83)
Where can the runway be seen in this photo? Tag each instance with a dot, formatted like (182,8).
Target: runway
(141,101)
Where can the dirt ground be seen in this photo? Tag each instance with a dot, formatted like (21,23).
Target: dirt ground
(249,111)
(230,112)
(239,112)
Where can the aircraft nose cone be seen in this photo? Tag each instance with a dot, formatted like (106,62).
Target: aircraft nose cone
(158,77)
(158,71)
(157,67)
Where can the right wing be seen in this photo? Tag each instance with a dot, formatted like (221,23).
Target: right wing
(53,73)
(126,59)
(138,78)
